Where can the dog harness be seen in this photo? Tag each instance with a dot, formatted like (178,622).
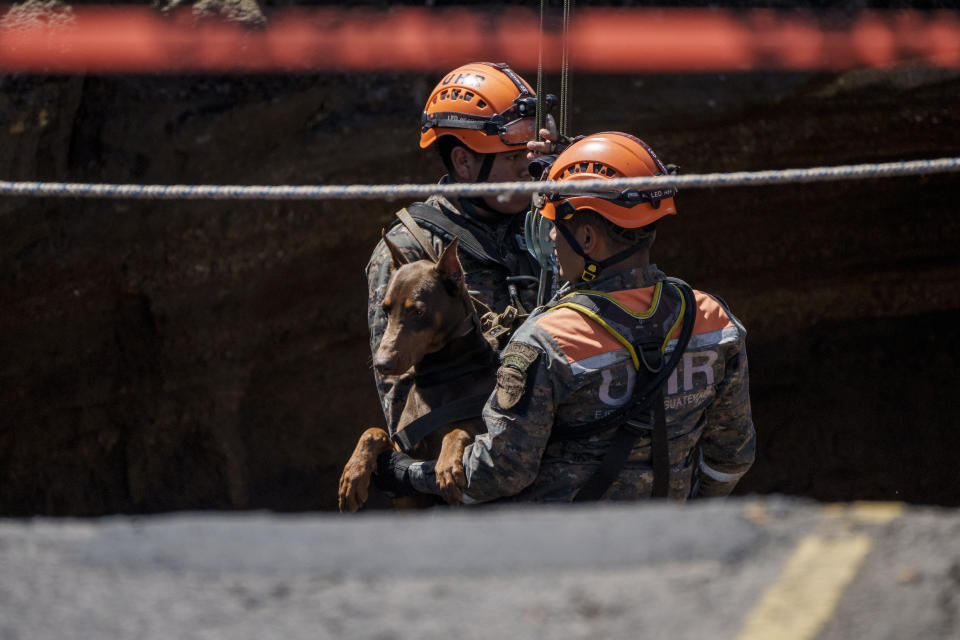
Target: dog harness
(442,367)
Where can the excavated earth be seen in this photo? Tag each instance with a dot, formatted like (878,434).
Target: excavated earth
(172,355)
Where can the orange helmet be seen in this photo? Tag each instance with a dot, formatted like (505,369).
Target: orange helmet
(611,154)
(487,106)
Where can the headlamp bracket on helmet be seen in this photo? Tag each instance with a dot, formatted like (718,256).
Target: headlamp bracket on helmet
(627,198)
(524,106)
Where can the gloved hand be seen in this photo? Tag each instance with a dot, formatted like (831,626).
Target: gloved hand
(393,474)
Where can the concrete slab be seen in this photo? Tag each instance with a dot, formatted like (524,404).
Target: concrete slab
(611,571)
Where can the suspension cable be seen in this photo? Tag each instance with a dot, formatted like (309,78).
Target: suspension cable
(539,120)
(500,189)
(565,70)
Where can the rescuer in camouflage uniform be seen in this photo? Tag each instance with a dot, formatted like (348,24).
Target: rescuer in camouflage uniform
(481,117)
(565,369)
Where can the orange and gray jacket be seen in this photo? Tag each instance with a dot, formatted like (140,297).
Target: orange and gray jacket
(563,371)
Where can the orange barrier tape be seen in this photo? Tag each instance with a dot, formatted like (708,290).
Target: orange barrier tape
(139,39)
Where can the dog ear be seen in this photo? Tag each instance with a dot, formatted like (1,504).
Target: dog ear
(448,266)
(398,258)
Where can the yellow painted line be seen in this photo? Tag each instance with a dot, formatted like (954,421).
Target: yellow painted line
(805,596)
(871,512)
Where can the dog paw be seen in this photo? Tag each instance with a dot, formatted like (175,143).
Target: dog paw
(355,479)
(451,477)
(452,480)
(354,487)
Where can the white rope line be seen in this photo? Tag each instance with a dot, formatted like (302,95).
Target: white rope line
(391,192)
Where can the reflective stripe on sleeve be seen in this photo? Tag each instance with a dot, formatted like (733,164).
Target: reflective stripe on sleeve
(719,476)
(423,480)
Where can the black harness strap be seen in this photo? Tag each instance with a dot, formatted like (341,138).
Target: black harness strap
(597,484)
(660,448)
(434,378)
(468,241)
(654,326)
(642,400)
(462,409)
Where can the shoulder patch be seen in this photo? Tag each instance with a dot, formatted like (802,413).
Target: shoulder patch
(519,356)
(512,374)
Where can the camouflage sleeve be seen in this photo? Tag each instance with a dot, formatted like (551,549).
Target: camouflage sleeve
(728,445)
(392,389)
(519,417)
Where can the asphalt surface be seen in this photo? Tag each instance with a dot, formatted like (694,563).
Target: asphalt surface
(721,569)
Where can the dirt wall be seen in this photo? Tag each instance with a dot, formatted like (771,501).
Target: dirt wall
(176,355)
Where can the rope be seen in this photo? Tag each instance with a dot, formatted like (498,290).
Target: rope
(539,123)
(565,70)
(504,189)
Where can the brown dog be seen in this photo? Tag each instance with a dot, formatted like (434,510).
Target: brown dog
(432,326)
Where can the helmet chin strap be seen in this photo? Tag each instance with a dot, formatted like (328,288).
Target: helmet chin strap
(592,268)
(482,175)
(485,168)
